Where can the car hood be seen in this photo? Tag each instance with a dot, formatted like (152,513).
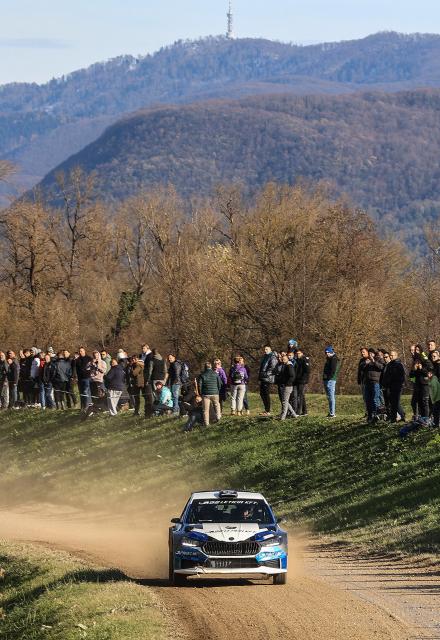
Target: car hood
(230,532)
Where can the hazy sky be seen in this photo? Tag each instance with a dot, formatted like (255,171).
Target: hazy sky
(40,39)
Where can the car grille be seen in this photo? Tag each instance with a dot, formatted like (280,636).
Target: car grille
(233,563)
(214,548)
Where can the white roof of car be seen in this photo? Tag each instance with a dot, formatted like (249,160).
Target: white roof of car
(240,495)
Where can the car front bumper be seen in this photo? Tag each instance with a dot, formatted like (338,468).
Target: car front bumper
(256,571)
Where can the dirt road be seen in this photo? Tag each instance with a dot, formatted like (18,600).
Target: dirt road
(313,605)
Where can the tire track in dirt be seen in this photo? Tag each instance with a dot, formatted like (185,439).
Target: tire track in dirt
(304,609)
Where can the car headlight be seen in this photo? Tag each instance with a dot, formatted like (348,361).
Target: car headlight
(273,542)
(189,542)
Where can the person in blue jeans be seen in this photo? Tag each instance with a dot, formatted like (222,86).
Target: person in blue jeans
(174,381)
(329,377)
(372,374)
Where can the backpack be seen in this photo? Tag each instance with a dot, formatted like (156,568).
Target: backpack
(237,377)
(184,373)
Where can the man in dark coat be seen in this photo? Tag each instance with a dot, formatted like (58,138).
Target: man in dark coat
(266,377)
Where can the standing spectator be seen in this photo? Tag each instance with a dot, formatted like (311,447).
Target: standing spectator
(62,378)
(385,382)
(4,383)
(419,375)
(434,393)
(157,369)
(246,397)
(71,371)
(223,378)
(286,380)
(292,345)
(83,374)
(395,376)
(435,359)
(107,359)
(209,386)
(98,369)
(373,370)
(13,378)
(174,381)
(47,376)
(163,401)
(35,376)
(266,377)
(301,381)
(145,351)
(148,382)
(330,377)
(361,373)
(238,380)
(115,383)
(135,379)
(431,348)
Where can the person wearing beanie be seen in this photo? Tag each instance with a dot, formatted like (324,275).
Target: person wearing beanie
(329,377)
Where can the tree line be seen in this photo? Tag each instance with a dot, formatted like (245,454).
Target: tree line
(211,277)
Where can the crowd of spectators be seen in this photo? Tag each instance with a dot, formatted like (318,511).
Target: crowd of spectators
(99,382)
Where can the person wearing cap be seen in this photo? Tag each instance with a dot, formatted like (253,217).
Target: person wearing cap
(292,345)
(163,399)
(329,377)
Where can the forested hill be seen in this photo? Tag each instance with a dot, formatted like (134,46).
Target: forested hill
(382,149)
(42,125)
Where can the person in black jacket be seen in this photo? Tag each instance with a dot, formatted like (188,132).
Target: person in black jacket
(174,381)
(285,380)
(154,371)
(395,380)
(419,375)
(4,385)
(301,380)
(13,378)
(266,377)
(435,359)
(372,373)
(63,375)
(83,372)
(330,378)
(361,373)
(47,376)
(70,389)
(115,381)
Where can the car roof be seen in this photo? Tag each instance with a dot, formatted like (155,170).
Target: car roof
(239,495)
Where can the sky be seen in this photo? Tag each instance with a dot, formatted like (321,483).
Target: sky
(42,39)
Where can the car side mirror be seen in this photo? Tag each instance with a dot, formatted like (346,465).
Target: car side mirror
(175,520)
(280,520)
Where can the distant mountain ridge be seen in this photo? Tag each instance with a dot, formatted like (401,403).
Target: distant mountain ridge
(42,125)
(381,149)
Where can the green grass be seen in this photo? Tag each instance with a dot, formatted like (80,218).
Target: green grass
(48,595)
(340,477)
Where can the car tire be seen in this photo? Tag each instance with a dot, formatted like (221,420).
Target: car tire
(175,579)
(280,578)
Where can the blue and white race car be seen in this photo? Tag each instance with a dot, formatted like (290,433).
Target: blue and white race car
(227,533)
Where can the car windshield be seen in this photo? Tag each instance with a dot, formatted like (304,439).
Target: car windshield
(229,510)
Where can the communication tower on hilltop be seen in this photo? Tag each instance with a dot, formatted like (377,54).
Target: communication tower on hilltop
(230,31)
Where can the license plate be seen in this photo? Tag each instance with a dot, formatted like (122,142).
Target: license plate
(221,564)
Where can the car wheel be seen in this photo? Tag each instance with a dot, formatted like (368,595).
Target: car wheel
(280,578)
(175,579)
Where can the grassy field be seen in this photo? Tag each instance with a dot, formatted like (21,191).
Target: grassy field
(49,595)
(354,482)
(341,477)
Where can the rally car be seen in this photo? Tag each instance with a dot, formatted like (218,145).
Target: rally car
(227,532)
